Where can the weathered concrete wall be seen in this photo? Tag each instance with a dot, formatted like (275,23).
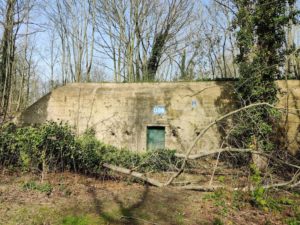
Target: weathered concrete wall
(120,113)
(289,98)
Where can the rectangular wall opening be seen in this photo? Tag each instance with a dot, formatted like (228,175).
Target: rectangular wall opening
(156,137)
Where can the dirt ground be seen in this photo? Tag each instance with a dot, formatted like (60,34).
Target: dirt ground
(66,198)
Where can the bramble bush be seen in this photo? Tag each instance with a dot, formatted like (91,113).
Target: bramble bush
(91,154)
(28,147)
(55,145)
(9,154)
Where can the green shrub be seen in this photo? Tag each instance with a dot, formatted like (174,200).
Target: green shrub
(160,160)
(87,156)
(91,154)
(53,146)
(120,157)
(9,154)
(28,147)
(58,144)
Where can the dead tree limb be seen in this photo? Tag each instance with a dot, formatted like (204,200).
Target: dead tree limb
(137,175)
(156,183)
(205,188)
(200,188)
(246,150)
(211,152)
(187,155)
(292,183)
(215,167)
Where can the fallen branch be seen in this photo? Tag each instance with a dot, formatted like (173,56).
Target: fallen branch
(204,188)
(156,183)
(187,155)
(200,188)
(215,167)
(290,183)
(138,175)
(295,185)
(246,150)
(211,152)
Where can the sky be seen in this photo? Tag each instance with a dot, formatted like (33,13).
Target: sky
(41,43)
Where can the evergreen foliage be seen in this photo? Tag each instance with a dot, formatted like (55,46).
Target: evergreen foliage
(260,36)
(55,145)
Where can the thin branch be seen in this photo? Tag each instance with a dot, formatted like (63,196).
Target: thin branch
(227,7)
(187,155)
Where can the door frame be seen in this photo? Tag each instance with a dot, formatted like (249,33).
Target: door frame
(164,126)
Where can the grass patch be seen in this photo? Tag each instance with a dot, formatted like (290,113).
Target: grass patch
(88,219)
(219,200)
(41,187)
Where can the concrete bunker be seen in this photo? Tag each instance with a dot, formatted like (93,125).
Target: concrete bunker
(141,116)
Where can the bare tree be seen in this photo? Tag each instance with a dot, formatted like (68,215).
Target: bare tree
(7,55)
(16,13)
(136,34)
(74,22)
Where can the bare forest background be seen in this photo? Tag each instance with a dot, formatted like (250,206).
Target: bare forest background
(49,43)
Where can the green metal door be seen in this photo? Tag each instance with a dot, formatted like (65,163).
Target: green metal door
(155,138)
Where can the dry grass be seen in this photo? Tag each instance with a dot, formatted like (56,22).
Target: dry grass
(77,199)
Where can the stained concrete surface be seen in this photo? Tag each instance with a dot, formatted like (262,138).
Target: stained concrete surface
(121,112)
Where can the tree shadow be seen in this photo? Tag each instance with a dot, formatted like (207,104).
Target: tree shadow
(224,104)
(127,212)
(151,205)
(295,139)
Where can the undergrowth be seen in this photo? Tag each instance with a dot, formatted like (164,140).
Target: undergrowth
(43,187)
(54,146)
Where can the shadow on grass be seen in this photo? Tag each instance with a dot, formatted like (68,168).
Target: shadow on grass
(127,215)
